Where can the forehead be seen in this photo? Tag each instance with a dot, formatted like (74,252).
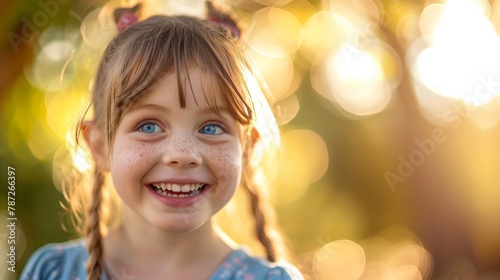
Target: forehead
(193,85)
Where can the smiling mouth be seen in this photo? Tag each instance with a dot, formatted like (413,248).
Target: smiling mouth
(177,190)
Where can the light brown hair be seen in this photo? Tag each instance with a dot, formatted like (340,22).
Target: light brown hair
(134,61)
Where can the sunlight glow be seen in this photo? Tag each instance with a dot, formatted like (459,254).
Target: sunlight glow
(360,66)
(57,50)
(40,141)
(304,161)
(326,32)
(463,51)
(276,27)
(273,38)
(286,109)
(81,160)
(265,123)
(276,3)
(357,82)
(276,67)
(341,259)
(96,31)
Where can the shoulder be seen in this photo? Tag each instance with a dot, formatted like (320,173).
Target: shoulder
(240,265)
(57,261)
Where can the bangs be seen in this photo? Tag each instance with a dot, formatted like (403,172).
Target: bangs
(219,95)
(160,45)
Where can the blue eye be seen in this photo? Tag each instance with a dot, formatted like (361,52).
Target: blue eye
(212,129)
(150,127)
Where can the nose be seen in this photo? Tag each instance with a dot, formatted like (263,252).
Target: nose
(182,152)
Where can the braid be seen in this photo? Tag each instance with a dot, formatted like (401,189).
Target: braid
(265,228)
(93,230)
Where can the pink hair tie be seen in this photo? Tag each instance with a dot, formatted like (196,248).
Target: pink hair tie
(223,17)
(233,30)
(126,17)
(126,20)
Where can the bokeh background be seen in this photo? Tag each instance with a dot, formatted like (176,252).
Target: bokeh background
(389,115)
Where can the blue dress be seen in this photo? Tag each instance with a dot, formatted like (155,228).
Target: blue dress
(67,261)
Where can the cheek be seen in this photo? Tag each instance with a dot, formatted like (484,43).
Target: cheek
(226,163)
(128,162)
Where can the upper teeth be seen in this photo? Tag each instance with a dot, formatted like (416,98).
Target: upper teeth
(178,188)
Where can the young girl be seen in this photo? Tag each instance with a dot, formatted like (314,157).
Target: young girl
(179,122)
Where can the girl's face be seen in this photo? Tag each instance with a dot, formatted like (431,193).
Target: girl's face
(174,167)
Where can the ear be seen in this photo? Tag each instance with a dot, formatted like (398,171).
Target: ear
(252,136)
(96,143)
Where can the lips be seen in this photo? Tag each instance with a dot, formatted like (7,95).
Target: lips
(177,190)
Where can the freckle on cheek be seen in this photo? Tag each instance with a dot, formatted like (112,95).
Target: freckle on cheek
(224,160)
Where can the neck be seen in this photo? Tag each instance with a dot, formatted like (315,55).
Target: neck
(136,242)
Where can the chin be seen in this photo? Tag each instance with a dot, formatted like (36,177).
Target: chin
(182,223)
